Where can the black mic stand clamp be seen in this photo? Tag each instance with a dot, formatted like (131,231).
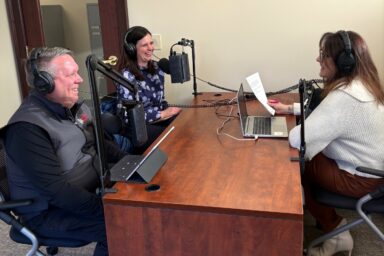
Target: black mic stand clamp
(302,86)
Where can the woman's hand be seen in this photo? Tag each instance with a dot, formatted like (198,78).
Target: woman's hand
(280,107)
(169,112)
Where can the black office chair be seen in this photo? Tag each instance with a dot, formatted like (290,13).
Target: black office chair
(18,232)
(365,206)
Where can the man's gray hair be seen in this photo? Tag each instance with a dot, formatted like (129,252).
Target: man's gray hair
(42,61)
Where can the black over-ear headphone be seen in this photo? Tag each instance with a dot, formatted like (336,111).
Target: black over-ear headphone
(42,80)
(345,61)
(130,48)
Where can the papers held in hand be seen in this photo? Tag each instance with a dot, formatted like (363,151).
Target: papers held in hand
(256,85)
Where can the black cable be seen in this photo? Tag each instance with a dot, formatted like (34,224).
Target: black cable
(155,56)
(227,102)
(286,90)
(218,103)
(215,85)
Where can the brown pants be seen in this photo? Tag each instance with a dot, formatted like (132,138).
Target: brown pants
(324,172)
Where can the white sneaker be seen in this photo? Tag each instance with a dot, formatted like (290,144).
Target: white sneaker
(338,243)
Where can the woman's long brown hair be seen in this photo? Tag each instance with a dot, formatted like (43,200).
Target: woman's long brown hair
(365,70)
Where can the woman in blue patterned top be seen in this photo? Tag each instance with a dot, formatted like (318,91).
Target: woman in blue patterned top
(139,68)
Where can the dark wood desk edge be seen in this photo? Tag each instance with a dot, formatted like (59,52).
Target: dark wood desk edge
(243,212)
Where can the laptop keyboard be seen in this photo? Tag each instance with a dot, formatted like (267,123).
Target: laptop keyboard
(262,126)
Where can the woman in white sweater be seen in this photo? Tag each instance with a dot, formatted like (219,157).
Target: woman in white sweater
(344,131)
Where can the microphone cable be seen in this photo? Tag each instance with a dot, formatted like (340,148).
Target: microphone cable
(227,102)
(215,85)
(248,95)
(282,91)
(296,86)
(157,58)
(218,103)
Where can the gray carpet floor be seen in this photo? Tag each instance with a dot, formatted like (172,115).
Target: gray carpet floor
(10,248)
(366,243)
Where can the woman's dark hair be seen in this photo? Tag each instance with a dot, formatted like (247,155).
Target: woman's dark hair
(365,70)
(129,58)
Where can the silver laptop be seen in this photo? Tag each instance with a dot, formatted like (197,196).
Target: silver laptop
(261,126)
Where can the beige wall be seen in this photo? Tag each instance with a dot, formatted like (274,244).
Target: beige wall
(278,39)
(235,38)
(10,96)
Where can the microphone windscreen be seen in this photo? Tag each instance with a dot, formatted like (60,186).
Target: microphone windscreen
(164,65)
(179,68)
(137,125)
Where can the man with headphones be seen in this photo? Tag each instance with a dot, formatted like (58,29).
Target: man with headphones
(343,132)
(51,153)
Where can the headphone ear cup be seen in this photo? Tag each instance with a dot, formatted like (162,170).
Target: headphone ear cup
(44,82)
(345,61)
(130,49)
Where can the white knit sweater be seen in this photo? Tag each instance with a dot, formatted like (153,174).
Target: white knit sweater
(347,126)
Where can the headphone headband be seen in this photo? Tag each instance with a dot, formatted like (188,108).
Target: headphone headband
(347,42)
(35,54)
(129,31)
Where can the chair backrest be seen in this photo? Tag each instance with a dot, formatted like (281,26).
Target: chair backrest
(4,189)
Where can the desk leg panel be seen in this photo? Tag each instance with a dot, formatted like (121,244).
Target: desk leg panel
(156,231)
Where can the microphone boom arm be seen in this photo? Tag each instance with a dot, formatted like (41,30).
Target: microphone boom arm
(96,64)
(93,64)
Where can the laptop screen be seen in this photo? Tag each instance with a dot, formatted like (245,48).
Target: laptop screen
(242,107)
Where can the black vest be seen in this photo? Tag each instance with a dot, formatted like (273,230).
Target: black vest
(73,142)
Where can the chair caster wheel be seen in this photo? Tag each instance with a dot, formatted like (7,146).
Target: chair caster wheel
(52,250)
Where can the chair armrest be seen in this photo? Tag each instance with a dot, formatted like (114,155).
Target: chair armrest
(8,205)
(371,171)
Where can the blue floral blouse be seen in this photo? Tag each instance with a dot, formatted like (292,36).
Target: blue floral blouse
(151,92)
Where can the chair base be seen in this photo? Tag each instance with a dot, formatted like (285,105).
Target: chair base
(52,244)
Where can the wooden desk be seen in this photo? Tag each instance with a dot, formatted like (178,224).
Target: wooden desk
(218,196)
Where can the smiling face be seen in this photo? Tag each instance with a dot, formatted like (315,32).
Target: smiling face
(67,80)
(327,65)
(144,48)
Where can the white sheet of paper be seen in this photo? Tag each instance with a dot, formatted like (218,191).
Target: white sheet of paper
(256,85)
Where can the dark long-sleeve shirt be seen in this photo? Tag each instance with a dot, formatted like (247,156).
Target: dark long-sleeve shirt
(31,148)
